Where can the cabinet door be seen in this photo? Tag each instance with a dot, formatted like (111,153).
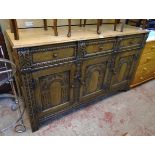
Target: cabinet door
(54,88)
(125,65)
(94,78)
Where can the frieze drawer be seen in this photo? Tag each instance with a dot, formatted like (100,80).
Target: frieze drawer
(52,54)
(99,46)
(130,41)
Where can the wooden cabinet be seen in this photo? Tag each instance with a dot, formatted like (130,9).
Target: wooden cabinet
(146,68)
(57,78)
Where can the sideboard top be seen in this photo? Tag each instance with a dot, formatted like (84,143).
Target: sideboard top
(38,36)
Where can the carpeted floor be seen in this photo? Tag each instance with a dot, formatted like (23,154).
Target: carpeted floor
(129,113)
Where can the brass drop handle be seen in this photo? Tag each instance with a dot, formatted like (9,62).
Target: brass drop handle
(141,78)
(101,47)
(55,55)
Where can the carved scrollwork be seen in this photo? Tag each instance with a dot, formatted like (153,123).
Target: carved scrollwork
(81,49)
(25,57)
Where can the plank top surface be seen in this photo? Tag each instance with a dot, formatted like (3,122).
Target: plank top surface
(38,36)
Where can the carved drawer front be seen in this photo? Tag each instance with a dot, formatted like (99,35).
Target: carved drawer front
(147,58)
(100,46)
(130,41)
(94,80)
(125,64)
(54,89)
(54,53)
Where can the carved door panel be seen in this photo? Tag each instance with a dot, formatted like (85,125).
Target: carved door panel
(94,79)
(54,88)
(125,64)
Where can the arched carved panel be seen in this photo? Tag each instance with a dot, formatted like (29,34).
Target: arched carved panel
(56,93)
(94,77)
(54,90)
(123,68)
(93,81)
(122,71)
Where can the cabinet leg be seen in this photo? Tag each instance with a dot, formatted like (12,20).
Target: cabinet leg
(125,89)
(55,27)
(69,28)
(34,125)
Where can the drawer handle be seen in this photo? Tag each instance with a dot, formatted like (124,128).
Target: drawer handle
(55,55)
(145,69)
(152,47)
(148,58)
(83,82)
(114,71)
(101,48)
(131,42)
(141,78)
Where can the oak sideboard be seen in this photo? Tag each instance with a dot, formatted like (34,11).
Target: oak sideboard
(59,74)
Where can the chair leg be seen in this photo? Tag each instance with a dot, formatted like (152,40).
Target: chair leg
(55,27)
(14,28)
(11,26)
(45,24)
(98,26)
(85,20)
(80,22)
(69,28)
(123,23)
(144,23)
(115,24)
(100,22)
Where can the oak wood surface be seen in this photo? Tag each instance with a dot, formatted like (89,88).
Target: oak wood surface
(29,37)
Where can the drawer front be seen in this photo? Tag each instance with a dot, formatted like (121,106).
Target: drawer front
(130,41)
(149,47)
(50,55)
(147,58)
(144,72)
(99,46)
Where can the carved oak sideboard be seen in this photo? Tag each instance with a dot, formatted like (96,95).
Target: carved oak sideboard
(59,77)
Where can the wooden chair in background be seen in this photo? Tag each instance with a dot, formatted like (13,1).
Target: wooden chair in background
(117,21)
(99,23)
(14,27)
